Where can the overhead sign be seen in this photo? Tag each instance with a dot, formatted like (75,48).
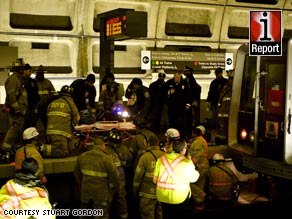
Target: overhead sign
(123,24)
(265,33)
(173,60)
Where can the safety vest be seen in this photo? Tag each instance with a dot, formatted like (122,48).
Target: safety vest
(172,175)
(17,197)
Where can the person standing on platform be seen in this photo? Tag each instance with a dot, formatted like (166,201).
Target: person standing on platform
(62,117)
(84,93)
(192,115)
(46,92)
(178,102)
(32,96)
(144,188)
(158,95)
(173,174)
(213,95)
(141,108)
(111,93)
(16,105)
(98,178)
(223,110)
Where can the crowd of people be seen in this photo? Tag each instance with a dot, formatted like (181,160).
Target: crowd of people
(148,176)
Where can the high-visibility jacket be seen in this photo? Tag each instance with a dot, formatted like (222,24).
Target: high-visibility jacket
(62,117)
(14,196)
(143,179)
(172,175)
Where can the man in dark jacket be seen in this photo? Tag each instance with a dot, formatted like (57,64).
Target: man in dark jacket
(179,102)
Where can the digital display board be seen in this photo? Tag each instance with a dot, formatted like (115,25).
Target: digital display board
(115,26)
(123,24)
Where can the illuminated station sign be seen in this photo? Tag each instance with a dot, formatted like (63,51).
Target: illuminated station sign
(126,25)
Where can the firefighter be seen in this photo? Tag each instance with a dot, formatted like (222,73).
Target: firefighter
(16,104)
(93,172)
(223,109)
(223,188)
(173,174)
(122,158)
(30,149)
(25,192)
(62,117)
(144,188)
(46,91)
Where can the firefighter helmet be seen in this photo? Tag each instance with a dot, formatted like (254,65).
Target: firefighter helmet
(66,90)
(17,65)
(202,128)
(30,133)
(218,157)
(115,136)
(172,133)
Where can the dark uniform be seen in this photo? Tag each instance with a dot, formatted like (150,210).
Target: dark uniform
(213,95)
(158,94)
(193,115)
(178,103)
(141,108)
(62,116)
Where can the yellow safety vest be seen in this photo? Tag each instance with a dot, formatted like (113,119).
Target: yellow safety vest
(17,197)
(172,175)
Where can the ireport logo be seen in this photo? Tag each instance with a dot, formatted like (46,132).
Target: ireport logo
(265,33)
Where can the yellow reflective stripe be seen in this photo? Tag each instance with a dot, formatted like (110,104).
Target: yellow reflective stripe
(56,113)
(58,132)
(172,186)
(117,163)
(226,98)
(94,173)
(15,104)
(149,174)
(42,92)
(147,195)
(222,115)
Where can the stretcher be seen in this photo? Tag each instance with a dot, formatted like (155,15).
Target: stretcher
(101,128)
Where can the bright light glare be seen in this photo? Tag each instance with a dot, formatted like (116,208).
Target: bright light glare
(243,134)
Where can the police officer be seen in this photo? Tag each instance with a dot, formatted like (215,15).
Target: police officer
(178,102)
(62,117)
(158,94)
(16,104)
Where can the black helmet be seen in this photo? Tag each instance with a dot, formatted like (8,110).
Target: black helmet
(115,136)
(66,90)
(30,165)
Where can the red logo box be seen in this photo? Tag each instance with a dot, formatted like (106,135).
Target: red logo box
(265,33)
